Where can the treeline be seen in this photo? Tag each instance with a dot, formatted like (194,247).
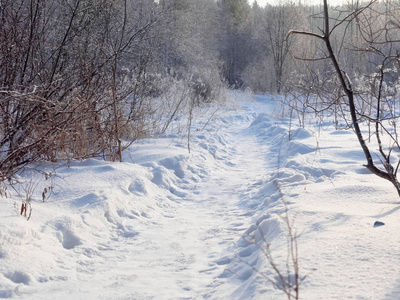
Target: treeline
(80,77)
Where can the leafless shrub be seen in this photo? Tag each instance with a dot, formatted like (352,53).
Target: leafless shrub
(32,183)
(64,93)
(29,188)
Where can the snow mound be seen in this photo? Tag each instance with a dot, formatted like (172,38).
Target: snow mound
(196,225)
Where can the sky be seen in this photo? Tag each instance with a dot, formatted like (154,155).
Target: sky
(262,3)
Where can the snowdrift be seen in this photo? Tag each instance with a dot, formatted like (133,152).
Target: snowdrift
(169,224)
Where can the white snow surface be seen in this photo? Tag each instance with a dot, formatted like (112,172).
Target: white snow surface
(169,224)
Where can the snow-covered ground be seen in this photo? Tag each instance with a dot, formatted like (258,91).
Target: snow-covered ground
(169,224)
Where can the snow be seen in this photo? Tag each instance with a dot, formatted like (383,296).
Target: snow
(169,224)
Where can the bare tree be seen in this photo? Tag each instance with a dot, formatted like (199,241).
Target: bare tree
(279,19)
(374,36)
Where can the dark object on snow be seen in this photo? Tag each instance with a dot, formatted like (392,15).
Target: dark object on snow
(378,223)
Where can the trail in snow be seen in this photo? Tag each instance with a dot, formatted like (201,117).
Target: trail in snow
(197,234)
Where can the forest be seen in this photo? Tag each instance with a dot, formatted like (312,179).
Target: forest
(86,78)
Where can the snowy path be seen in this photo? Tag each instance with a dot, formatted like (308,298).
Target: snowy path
(186,262)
